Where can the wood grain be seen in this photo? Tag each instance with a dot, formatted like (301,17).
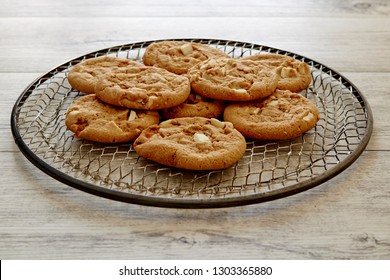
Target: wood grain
(345,44)
(347,217)
(198,8)
(313,224)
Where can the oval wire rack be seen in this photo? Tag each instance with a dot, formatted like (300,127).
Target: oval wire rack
(268,170)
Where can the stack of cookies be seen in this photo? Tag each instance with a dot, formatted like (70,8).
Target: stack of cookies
(208,103)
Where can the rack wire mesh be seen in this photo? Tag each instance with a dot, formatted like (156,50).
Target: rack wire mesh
(268,170)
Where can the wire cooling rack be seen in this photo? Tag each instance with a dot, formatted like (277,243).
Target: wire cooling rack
(268,170)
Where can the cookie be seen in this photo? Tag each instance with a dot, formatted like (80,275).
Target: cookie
(233,79)
(294,74)
(195,106)
(179,56)
(83,76)
(91,119)
(283,115)
(143,87)
(192,143)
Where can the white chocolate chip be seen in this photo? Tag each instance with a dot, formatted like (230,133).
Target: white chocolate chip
(217,123)
(309,117)
(186,49)
(288,72)
(150,101)
(273,103)
(73,114)
(241,91)
(255,111)
(112,127)
(132,115)
(284,73)
(200,137)
(212,63)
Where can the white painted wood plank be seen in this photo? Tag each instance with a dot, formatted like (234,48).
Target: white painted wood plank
(345,44)
(340,219)
(194,8)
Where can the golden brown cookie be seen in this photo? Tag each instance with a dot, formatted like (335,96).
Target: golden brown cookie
(83,76)
(92,119)
(179,56)
(143,87)
(195,106)
(192,143)
(283,115)
(294,74)
(233,79)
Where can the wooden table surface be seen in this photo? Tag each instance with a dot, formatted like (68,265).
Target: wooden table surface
(347,217)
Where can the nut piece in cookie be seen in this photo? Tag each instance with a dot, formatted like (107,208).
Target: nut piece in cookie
(91,119)
(83,76)
(294,74)
(146,87)
(283,115)
(179,56)
(233,79)
(192,143)
(195,106)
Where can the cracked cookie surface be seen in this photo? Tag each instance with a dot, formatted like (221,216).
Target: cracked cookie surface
(83,76)
(144,87)
(91,119)
(283,115)
(195,106)
(233,79)
(192,143)
(294,74)
(179,56)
